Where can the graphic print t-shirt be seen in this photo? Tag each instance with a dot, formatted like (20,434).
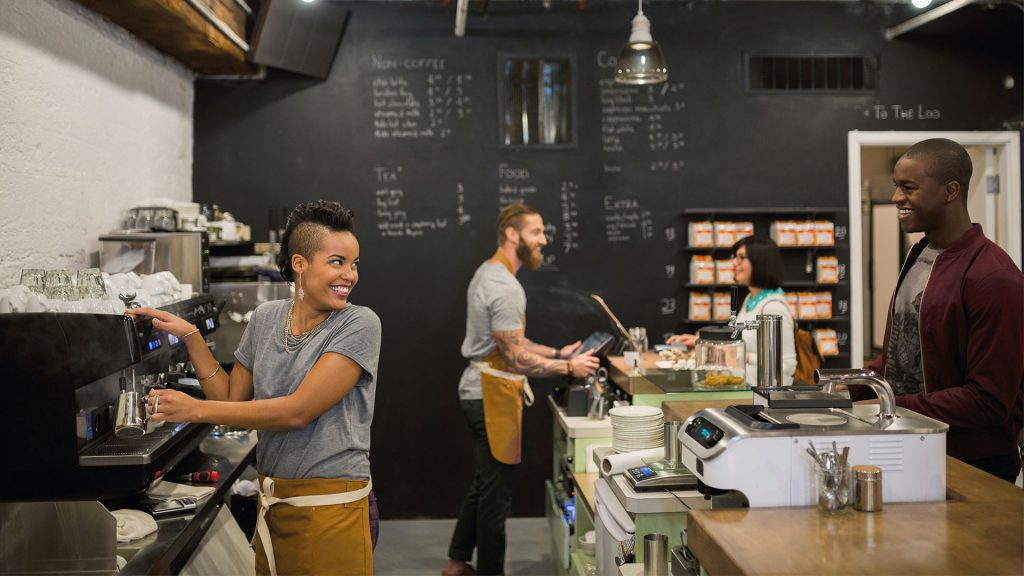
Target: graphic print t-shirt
(903,367)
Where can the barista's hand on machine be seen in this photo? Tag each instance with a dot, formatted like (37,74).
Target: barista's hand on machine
(172,406)
(584,365)
(163,320)
(687,340)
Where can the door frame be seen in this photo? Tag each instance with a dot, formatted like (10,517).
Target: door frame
(1009,167)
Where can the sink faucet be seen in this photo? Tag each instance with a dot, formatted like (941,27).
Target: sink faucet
(828,378)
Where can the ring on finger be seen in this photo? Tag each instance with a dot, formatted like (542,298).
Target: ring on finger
(156,405)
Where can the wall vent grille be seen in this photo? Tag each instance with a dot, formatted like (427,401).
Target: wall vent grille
(812,73)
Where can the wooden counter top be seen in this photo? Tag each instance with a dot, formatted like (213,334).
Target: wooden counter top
(622,374)
(683,409)
(658,382)
(978,530)
(585,488)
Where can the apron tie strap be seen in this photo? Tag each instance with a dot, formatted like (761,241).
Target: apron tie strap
(267,499)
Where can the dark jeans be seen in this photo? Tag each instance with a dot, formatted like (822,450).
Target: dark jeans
(481,523)
(1006,467)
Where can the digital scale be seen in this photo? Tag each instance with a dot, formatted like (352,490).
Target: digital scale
(657,476)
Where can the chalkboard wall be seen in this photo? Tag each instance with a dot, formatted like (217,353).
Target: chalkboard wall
(405,131)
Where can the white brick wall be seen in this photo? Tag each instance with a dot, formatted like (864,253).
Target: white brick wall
(92,122)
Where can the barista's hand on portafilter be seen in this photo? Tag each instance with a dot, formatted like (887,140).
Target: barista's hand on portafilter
(585,364)
(568,349)
(165,321)
(172,406)
(687,340)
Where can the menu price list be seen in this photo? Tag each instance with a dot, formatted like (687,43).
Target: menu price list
(644,119)
(416,98)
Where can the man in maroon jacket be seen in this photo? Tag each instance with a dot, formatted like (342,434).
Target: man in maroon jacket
(954,340)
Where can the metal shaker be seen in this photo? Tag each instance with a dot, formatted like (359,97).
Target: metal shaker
(672,444)
(131,412)
(655,555)
(867,488)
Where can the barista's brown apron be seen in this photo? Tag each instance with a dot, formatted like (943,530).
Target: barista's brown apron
(313,526)
(503,394)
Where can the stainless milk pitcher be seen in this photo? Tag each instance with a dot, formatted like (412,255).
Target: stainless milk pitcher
(131,412)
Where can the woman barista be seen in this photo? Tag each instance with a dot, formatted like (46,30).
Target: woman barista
(306,378)
(758,266)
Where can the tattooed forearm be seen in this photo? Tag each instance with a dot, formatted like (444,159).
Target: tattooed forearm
(540,349)
(522,360)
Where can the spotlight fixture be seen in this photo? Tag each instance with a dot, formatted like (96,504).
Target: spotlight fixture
(641,61)
(921,3)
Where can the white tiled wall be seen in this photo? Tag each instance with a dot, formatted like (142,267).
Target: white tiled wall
(92,122)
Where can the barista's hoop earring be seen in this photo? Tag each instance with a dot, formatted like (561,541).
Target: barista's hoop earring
(302,293)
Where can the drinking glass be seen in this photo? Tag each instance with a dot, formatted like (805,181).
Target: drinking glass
(90,284)
(143,219)
(833,488)
(59,285)
(638,336)
(34,279)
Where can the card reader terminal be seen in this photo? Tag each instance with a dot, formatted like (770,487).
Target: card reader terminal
(650,477)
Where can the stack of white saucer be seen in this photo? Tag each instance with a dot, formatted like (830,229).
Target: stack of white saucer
(636,428)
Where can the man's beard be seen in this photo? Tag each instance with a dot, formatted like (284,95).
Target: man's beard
(530,257)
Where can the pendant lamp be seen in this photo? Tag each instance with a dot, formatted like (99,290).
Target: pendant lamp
(641,61)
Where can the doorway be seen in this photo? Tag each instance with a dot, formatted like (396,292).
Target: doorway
(878,247)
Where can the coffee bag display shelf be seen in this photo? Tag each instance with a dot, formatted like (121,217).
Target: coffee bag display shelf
(728,249)
(797,260)
(793,284)
(772,210)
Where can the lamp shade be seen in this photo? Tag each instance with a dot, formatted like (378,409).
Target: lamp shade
(641,61)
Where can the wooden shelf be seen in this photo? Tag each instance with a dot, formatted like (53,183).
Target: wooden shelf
(181,31)
(768,210)
(793,284)
(700,249)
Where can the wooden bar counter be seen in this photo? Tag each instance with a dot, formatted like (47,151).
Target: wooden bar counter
(979,529)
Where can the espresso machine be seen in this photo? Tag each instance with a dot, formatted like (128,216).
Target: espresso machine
(64,376)
(757,455)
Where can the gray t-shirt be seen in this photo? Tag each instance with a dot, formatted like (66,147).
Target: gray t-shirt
(495,302)
(903,367)
(337,443)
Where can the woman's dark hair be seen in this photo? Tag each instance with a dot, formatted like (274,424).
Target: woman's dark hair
(307,225)
(766,270)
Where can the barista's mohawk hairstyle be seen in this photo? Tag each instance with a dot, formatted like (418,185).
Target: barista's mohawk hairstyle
(307,225)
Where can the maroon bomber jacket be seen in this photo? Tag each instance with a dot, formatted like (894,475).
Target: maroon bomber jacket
(972,346)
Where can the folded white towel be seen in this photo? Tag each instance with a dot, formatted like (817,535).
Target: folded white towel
(162,489)
(133,524)
(245,488)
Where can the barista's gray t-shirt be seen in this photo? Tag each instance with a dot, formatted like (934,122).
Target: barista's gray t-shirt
(495,302)
(337,443)
(903,367)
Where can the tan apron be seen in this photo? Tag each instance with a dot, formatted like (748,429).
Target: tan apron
(317,526)
(504,393)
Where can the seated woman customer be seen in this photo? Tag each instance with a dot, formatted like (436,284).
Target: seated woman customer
(758,266)
(305,377)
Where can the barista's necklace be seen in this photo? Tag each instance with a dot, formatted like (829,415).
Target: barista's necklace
(293,342)
(753,301)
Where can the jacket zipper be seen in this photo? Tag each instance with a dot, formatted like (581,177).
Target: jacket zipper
(892,312)
(920,335)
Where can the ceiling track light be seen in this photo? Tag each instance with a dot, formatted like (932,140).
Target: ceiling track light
(641,61)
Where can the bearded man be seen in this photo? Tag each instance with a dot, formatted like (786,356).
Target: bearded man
(500,356)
